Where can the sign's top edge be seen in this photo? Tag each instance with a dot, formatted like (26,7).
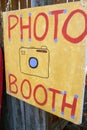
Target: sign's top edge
(43,6)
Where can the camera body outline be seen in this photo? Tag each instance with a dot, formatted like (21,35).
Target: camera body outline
(34,61)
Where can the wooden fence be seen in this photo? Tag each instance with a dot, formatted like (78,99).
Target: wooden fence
(16,114)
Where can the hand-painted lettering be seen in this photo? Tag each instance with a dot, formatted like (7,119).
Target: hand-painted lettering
(45,95)
(71,106)
(65,27)
(40,38)
(28,26)
(11,17)
(13,88)
(12,83)
(54,96)
(55,14)
(25,81)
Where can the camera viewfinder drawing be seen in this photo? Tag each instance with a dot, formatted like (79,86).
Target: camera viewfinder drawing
(32,59)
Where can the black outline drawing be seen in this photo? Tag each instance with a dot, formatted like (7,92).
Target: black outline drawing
(40,50)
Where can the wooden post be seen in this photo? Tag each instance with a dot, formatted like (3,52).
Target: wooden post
(23,4)
(3,5)
(29,3)
(14,4)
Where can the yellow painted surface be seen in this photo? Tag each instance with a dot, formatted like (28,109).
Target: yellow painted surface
(43,71)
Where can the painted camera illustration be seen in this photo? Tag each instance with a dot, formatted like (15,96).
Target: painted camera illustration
(34,61)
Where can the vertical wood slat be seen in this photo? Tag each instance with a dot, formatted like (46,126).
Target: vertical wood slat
(3,4)
(29,3)
(14,4)
(22,4)
(18,114)
(7,120)
(22,116)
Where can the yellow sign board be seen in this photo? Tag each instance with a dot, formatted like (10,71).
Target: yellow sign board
(45,57)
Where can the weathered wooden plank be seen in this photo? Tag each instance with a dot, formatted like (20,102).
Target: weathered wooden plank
(34,118)
(29,3)
(14,4)
(18,114)
(3,4)
(7,120)
(29,120)
(23,4)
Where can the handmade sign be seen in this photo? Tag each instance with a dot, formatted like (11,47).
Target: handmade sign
(45,57)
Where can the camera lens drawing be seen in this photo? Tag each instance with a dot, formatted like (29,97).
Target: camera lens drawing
(34,61)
